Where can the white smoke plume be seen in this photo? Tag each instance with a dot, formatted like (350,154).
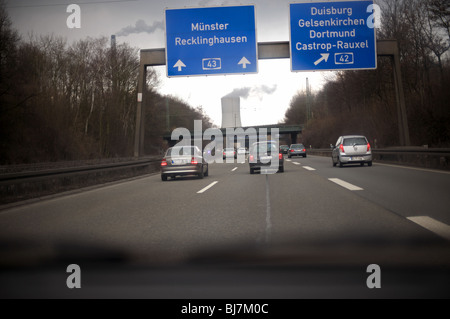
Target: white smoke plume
(141,27)
(257,91)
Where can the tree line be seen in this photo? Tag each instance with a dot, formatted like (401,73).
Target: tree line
(364,102)
(61,102)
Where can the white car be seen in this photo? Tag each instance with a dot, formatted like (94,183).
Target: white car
(229,153)
(242,151)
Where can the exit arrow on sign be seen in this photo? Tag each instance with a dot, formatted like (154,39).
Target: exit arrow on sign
(244,62)
(325,57)
(179,65)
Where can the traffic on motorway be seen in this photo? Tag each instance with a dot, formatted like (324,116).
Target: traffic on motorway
(231,227)
(265,156)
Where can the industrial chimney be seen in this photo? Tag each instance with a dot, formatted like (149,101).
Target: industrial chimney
(231,112)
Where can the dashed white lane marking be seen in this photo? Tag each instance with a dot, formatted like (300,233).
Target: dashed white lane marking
(345,184)
(207,187)
(433,225)
(234,169)
(309,168)
(296,163)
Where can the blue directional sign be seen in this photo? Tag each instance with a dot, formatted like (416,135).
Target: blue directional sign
(211,41)
(332,36)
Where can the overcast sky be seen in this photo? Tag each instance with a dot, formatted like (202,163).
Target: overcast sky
(140,23)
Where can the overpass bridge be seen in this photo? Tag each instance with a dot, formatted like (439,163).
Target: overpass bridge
(288,133)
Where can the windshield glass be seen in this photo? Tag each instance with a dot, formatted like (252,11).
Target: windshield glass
(355,141)
(224,149)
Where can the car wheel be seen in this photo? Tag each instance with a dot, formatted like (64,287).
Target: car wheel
(334,164)
(207,171)
(281,169)
(369,163)
(164,178)
(200,175)
(252,171)
(304,156)
(340,163)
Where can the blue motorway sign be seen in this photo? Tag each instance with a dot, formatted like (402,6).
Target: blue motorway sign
(211,41)
(332,36)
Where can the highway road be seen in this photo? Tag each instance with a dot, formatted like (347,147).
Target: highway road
(311,205)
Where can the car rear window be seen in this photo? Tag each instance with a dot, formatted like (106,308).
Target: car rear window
(355,141)
(298,146)
(182,150)
(263,147)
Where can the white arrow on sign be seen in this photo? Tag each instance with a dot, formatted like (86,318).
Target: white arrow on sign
(244,62)
(179,65)
(325,57)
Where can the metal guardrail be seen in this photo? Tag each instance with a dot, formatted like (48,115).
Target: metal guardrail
(437,158)
(399,150)
(31,174)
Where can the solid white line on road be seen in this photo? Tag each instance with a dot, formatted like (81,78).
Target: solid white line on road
(309,168)
(207,187)
(345,184)
(433,225)
(415,168)
(268,208)
(234,169)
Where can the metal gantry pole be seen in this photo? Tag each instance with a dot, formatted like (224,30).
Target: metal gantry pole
(270,50)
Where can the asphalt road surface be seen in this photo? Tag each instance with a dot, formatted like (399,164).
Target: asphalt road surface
(311,215)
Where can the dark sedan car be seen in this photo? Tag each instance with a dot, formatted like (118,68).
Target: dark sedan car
(284,149)
(297,150)
(183,160)
(266,157)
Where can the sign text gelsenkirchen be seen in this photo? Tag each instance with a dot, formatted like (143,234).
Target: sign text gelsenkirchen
(332,36)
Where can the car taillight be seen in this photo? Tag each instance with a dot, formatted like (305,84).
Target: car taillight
(280,155)
(292,151)
(252,158)
(304,150)
(368,147)
(164,162)
(341,147)
(194,161)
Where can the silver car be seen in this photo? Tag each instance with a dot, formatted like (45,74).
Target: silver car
(297,150)
(263,155)
(351,149)
(183,160)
